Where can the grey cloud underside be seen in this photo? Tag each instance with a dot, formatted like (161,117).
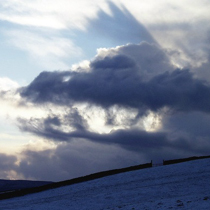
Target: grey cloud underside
(131,76)
(130,139)
(7,163)
(120,80)
(70,160)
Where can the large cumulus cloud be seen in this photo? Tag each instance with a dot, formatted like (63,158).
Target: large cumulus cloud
(130,98)
(136,140)
(119,78)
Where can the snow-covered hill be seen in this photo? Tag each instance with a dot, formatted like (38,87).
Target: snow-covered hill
(11,185)
(179,186)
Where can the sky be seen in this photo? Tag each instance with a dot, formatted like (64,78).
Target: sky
(93,85)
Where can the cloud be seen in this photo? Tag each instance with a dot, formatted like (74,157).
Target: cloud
(118,78)
(7,84)
(7,165)
(116,149)
(136,140)
(119,27)
(190,123)
(67,13)
(126,106)
(65,161)
(179,28)
(93,152)
(129,104)
(125,90)
(51,51)
(50,47)
(7,161)
(202,71)
(53,34)
(54,15)
(147,107)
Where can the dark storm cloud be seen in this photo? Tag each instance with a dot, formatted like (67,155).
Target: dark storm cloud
(48,85)
(120,80)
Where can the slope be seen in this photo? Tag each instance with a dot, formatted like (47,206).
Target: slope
(11,185)
(179,186)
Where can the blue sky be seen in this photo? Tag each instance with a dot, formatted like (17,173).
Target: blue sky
(79,80)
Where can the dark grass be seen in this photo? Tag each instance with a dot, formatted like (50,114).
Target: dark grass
(169,162)
(12,185)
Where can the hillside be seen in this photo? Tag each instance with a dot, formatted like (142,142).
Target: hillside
(178,186)
(11,185)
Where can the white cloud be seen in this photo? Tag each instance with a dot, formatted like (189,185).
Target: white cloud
(65,14)
(7,84)
(53,14)
(39,27)
(174,24)
(48,50)
(163,11)
(152,122)
(81,66)
(12,107)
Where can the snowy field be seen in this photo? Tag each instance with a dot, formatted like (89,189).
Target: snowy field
(179,186)
(10,185)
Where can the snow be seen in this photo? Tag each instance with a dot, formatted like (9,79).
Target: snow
(179,186)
